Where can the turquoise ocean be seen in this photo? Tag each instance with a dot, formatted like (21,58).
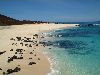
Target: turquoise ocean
(74,51)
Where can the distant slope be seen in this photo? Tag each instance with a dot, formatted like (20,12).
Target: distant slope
(5,20)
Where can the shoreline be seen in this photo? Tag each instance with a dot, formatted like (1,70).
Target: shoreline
(27,31)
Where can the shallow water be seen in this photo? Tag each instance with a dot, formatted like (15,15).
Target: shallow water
(74,51)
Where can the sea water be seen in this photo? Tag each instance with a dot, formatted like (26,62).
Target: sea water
(74,51)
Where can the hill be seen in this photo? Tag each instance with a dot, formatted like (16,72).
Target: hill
(5,20)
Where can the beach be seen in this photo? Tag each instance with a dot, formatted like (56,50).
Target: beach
(20,51)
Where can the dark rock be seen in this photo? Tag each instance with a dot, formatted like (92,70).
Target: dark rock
(4,73)
(42,37)
(38,58)
(31,53)
(30,45)
(15,52)
(36,44)
(31,63)
(36,35)
(19,50)
(26,45)
(12,39)
(18,38)
(10,71)
(21,43)
(35,55)
(17,69)
(14,57)
(2,52)
(12,43)
(28,40)
(11,50)
(0,69)
(33,38)
(30,58)
(49,48)
(24,37)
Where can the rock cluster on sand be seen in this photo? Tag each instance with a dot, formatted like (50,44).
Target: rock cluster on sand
(19,52)
(9,71)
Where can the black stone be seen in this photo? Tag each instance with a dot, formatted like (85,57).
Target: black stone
(11,50)
(18,38)
(31,63)
(2,52)
(0,69)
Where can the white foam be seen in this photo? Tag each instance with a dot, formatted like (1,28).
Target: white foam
(53,71)
(52,63)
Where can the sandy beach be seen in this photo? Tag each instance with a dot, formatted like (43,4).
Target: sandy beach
(20,52)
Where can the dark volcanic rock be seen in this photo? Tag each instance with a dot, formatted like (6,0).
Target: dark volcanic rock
(38,58)
(31,63)
(36,35)
(18,38)
(2,52)
(30,45)
(31,53)
(11,50)
(19,50)
(10,71)
(30,58)
(0,69)
(14,57)
(12,39)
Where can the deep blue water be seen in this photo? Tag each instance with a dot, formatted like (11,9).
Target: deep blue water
(75,51)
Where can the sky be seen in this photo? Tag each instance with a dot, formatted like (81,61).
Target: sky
(52,10)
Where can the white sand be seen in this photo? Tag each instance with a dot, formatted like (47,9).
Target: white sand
(42,66)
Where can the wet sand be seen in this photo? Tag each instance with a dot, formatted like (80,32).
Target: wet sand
(20,51)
